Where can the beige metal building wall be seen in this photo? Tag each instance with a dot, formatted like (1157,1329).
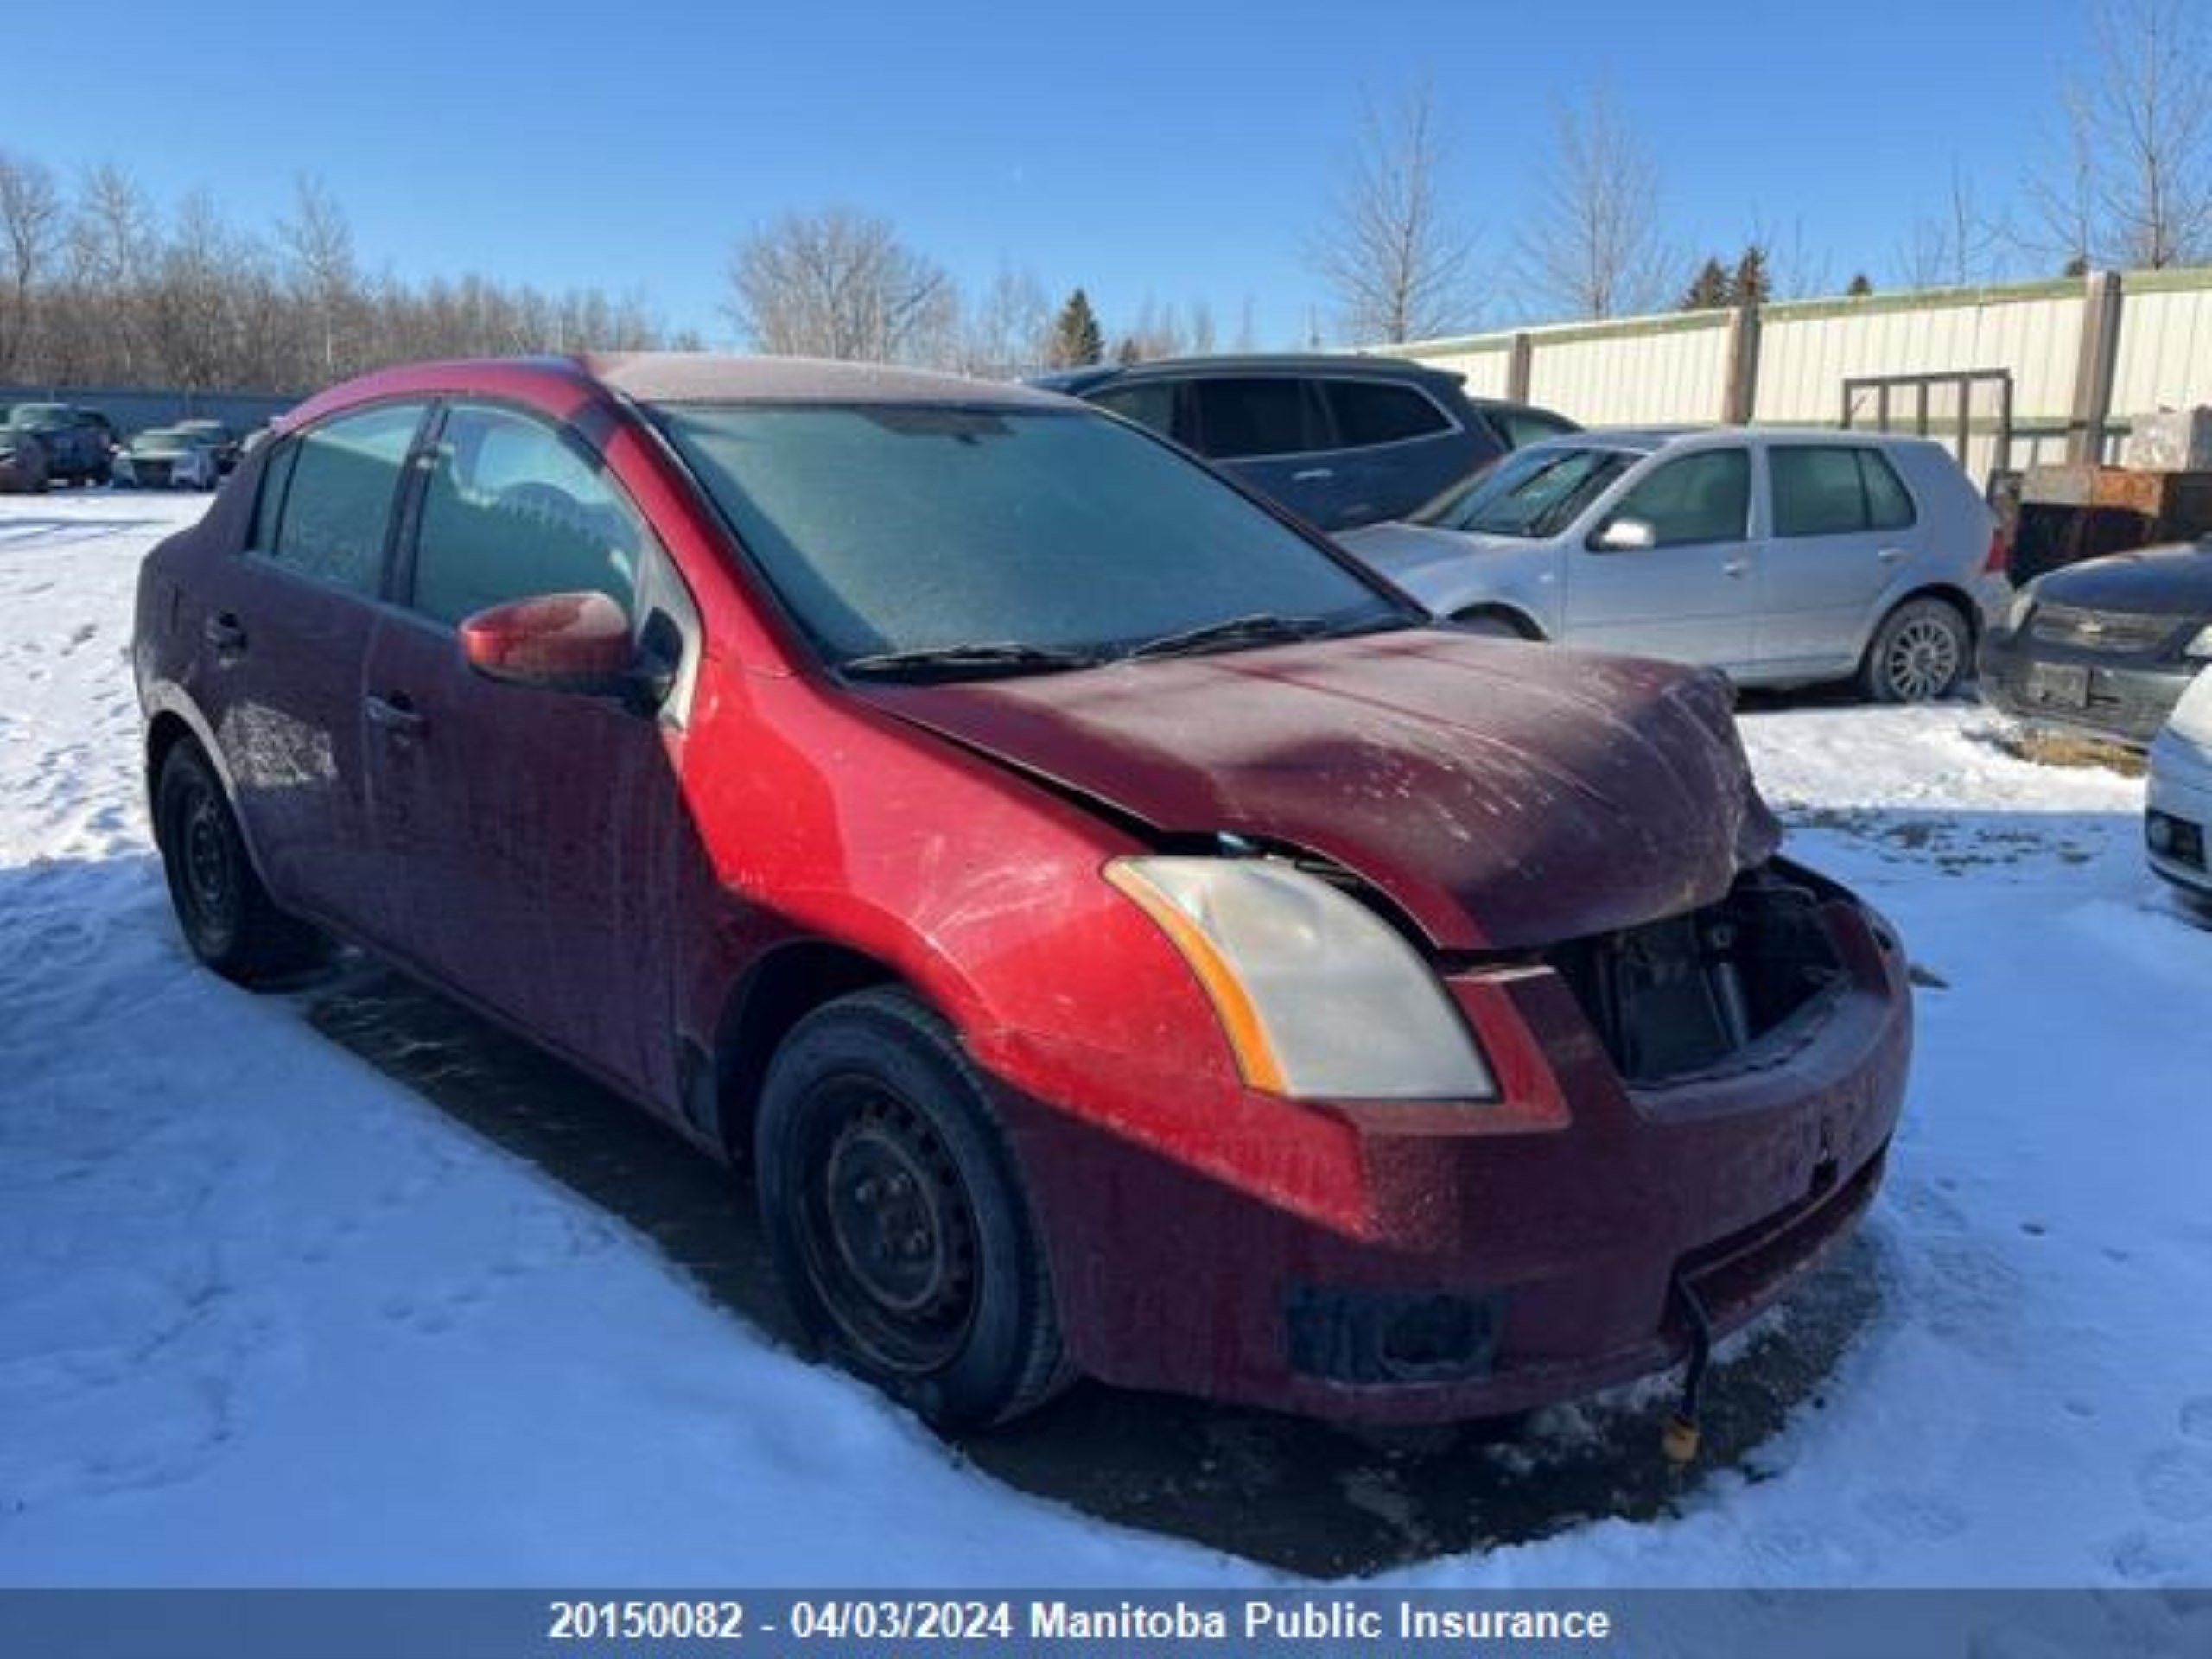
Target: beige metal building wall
(1675,369)
(1647,372)
(1485,359)
(2165,342)
(1809,349)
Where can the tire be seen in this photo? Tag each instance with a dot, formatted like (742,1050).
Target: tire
(1921,652)
(894,1210)
(228,919)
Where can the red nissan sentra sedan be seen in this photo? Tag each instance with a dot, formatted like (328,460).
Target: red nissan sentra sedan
(1123,937)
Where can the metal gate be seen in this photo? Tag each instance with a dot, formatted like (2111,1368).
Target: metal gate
(1959,406)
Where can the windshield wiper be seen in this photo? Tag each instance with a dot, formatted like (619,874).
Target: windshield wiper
(1262,627)
(1259,628)
(975,661)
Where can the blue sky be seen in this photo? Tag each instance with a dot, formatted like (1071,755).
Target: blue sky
(1179,152)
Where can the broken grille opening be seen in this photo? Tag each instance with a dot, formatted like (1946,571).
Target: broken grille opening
(1695,992)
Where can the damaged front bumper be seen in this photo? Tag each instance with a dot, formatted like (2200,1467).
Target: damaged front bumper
(1489,1258)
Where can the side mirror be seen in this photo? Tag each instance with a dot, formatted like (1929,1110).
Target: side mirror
(1624,536)
(560,642)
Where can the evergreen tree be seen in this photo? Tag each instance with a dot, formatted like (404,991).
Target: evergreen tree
(1076,341)
(1861,287)
(1710,290)
(1750,285)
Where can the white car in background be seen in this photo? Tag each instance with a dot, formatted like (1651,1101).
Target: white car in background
(2179,815)
(1782,557)
(169,458)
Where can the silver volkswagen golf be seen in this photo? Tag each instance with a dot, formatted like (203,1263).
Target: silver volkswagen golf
(1783,557)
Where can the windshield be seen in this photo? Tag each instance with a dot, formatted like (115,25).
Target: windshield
(1024,540)
(1530,495)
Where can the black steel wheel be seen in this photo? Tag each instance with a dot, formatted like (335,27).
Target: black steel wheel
(894,1208)
(227,915)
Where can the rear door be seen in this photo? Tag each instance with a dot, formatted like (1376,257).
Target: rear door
(1396,448)
(284,628)
(1688,597)
(1843,532)
(1272,432)
(534,831)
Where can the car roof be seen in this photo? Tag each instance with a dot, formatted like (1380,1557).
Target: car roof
(1645,440)
(1378,368)
(710,377)
(668,378)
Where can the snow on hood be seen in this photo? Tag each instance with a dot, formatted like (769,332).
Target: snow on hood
(1504,795)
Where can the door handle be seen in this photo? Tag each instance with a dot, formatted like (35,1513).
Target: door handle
(1736,568)
(396,714)
(1312,474)
(225,632)
(1890,555)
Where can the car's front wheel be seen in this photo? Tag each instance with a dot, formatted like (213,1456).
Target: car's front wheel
(227,915)
(895,1212)
(1920,653)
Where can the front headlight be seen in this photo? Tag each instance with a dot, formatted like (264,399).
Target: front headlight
(2023,602)
(2200,648)
(1319,997)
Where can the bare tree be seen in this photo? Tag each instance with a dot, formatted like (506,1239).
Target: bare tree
(1157,332)
(321,246)
(2130,185)
(1203,331)
(1007,330)
(1593,247)
(839,283)
(30,228)
(1957,246)
(1398,260)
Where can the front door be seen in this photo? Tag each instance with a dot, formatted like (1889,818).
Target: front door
(535,832)
(1686,593)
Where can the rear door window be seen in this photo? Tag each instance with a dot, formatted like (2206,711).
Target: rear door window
(338,491)
(513,510)
(1370,412)
(1835,490)
(1250,417)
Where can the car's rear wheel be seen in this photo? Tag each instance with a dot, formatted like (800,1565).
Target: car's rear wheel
(1920,653)
(228,917)
(894,1208)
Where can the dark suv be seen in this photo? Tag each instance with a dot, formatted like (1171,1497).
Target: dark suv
(76,449)
(1339,441)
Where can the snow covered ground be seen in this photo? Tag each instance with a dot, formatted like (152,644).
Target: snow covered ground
(267,1316)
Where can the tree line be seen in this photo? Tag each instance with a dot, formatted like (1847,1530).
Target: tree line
(99,287)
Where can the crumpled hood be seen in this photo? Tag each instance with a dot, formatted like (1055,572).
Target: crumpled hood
(1504,795)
